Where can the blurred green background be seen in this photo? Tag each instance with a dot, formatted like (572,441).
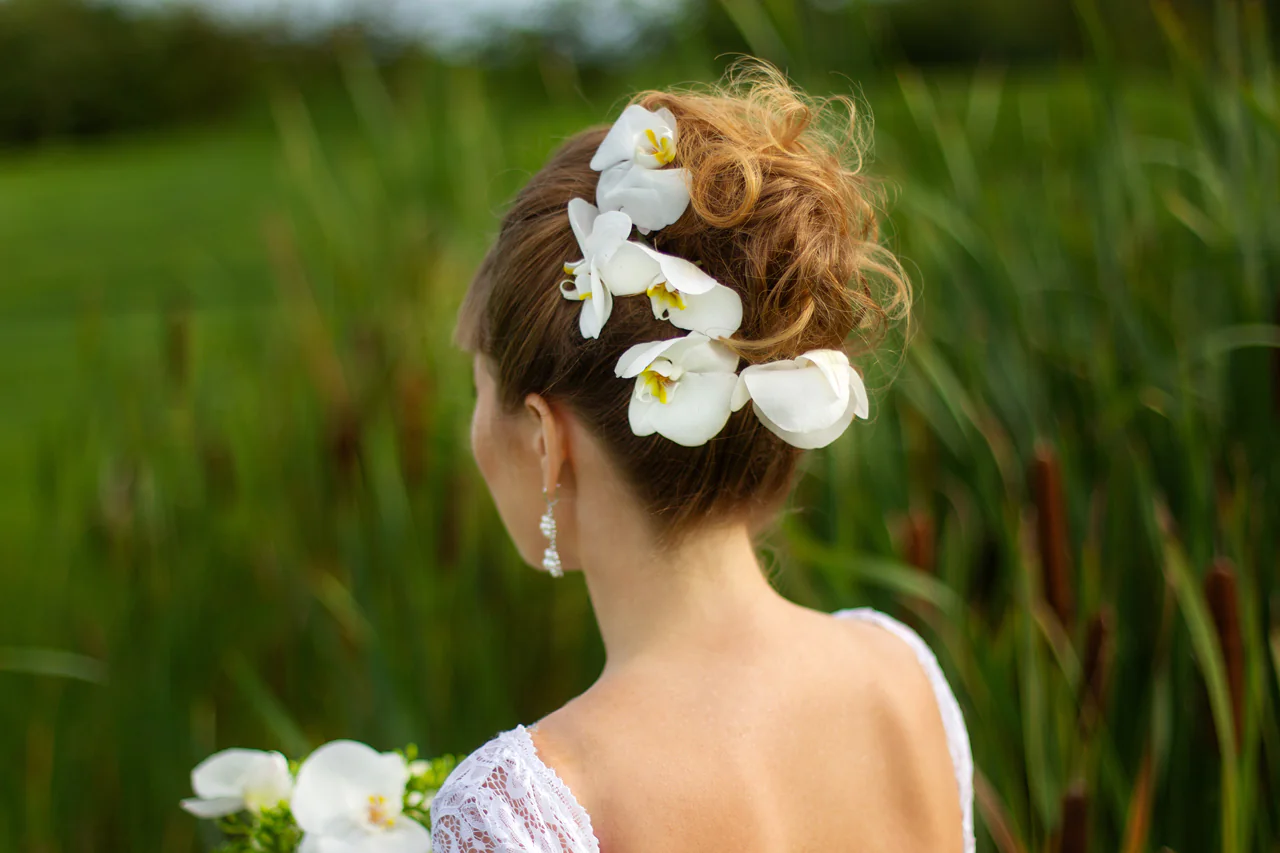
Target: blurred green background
(236,503)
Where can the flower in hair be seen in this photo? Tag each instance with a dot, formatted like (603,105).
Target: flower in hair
(631,160)
(681,293)
(684,387)
(807,401)
(600,236)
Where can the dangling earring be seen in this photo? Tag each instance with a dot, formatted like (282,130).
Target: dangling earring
(550,557)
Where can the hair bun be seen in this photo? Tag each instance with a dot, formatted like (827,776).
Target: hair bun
(781,212)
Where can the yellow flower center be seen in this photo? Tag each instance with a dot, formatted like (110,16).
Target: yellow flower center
(658,385)
(378,813)
(662,149)
(666,295)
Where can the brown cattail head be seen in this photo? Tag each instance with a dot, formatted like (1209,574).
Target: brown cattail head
(1073,834)
(177,346)
(411,427)
(918,545)
(1099,647)
(1051,533)
(219,467)
(1221,593)
(342,444)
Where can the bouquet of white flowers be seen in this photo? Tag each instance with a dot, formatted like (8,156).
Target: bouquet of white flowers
(346,797)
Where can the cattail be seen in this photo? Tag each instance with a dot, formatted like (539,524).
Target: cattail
(918,545)
(342,444)
(177,346)
(1051,533)
(1220,592)
(1098,648)
(1275,363)
(1073,834)
(219,468)
(411,397)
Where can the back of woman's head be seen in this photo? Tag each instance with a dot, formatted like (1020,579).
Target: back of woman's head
(779,212)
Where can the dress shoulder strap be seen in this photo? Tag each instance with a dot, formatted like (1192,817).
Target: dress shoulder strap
(952,719)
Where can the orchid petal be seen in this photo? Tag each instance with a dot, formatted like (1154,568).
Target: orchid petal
(858,392)
(253,778)
(337,780)
(795,396)
(619,145)
(653,198)
(582,218)
(716,313)
(811,439)
(698,409)
(213,807)
(698,354)
(609,231)
(407,836)
(638,358)
(684,276)
(630,270)
(596,310)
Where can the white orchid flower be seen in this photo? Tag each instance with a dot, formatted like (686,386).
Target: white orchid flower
(690,299)
(600,236)
(684,387)
(236,780)
(631,160)
(807,401)
(349,798)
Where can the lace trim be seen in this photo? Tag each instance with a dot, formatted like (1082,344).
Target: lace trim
(521,736)
(948,707)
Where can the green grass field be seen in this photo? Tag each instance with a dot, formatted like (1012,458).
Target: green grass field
(238,507)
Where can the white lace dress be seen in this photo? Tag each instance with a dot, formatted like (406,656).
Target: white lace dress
(503,799)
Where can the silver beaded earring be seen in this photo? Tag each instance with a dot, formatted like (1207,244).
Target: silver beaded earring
(550,557)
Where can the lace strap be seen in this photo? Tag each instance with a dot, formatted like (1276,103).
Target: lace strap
(952,719)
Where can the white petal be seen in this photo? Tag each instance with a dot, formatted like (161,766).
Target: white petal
(741,393)
(407,836)
(223,774)
(596,310)
(639,413)
(619,144)
(338,779)
(653,198)
(684,276)
(637,358)
(697,410)
(611,229)
(810,439)
(630,270)
(858,395)
(313,843)
(215,807)
(716,313)
(582,218)
(697,354)
(268,783)
(833,363)
(796,398)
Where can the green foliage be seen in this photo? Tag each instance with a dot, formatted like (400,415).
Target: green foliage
(254,522)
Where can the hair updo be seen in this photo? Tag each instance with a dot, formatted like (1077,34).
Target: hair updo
(779,212)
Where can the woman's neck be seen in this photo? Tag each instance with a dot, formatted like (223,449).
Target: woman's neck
(656,602)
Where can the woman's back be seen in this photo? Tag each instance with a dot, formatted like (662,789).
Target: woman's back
(817,733)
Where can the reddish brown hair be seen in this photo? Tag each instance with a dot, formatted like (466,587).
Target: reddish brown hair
(780,212)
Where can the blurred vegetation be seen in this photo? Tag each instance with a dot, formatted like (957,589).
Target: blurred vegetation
(238,508)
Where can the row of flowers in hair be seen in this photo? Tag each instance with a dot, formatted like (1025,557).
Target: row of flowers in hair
(686,388)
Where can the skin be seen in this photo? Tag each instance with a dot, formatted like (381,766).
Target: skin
(726,718)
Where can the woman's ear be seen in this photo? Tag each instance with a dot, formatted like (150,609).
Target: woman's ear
(550,441)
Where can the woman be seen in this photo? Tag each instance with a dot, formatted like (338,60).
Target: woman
(659,331)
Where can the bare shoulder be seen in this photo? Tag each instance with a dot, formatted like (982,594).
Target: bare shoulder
(740,749)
